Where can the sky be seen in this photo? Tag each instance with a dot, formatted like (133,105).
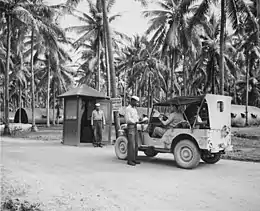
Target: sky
(130,23)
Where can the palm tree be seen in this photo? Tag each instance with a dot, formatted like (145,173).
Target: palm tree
(46,42)
(93,30)
(109,50)
(173,34)
(140,67)
(73,3)
(7,129)
(12,11)
(206,71)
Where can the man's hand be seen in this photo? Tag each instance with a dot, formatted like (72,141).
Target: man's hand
(103,126)
(93,127)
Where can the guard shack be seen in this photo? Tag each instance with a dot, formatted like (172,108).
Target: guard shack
(79,103)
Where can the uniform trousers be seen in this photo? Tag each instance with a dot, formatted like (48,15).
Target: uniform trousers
(132,144)
(97,131)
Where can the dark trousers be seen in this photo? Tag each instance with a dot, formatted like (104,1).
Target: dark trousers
(97,131)
(132,144)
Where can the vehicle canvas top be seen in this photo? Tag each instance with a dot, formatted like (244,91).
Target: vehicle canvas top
(219,107)
(182,100)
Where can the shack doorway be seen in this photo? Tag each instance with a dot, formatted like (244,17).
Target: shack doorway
(86,131)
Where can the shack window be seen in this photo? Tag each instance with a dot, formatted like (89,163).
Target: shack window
(71,109)
(220,106)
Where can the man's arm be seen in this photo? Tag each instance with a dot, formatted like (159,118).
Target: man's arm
(168,121)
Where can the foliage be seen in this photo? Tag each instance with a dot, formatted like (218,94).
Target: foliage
(181,55)
(17,205)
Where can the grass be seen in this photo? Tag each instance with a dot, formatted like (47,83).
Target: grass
(246,144)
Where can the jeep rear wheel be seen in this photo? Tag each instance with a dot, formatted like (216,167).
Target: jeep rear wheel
(186,154)
(211,158)
(121,147)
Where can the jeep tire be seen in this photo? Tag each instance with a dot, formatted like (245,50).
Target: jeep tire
(186,154)
(211,158)
(121,147)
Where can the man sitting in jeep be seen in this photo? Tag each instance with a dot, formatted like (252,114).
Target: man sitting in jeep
(173,120)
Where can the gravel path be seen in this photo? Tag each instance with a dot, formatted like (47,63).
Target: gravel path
(86,178)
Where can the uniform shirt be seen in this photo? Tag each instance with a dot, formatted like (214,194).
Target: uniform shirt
(173,119)
(131,115)
(98,115)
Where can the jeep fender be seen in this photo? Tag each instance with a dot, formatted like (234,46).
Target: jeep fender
(183,137)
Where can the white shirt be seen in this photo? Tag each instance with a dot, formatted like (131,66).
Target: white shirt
(131,115)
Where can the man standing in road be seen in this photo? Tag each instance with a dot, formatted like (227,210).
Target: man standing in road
(98,123)
(132,119)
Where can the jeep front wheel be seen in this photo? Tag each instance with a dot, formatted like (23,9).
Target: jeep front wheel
(211,158)
(121,147)
(186,154)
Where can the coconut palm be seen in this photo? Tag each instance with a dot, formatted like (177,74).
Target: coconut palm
(46,42)
(105,6)
(173,34)
(141,68)
(13,11)
(93,30)
(206,72)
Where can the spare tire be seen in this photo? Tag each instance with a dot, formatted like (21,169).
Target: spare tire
(121,147)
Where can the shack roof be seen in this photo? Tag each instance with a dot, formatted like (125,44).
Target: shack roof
(181,101)
(84,91)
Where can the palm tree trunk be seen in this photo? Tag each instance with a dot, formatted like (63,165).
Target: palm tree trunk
(213,77)
(140,97)
(111,64)
(34,128)
(235,95)
(222,44)
(148,96)
(258,9)
(6,98)
(54,99)
(125,89)
(247,84)
(98,70)
(184,76)
(107,64)
(48,92)
(20,102)
(136,88)
(168,64)
(171,75)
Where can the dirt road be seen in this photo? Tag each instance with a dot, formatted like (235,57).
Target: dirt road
(86,178)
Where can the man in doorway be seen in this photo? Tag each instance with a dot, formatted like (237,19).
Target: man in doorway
(132,119)
(98,123)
